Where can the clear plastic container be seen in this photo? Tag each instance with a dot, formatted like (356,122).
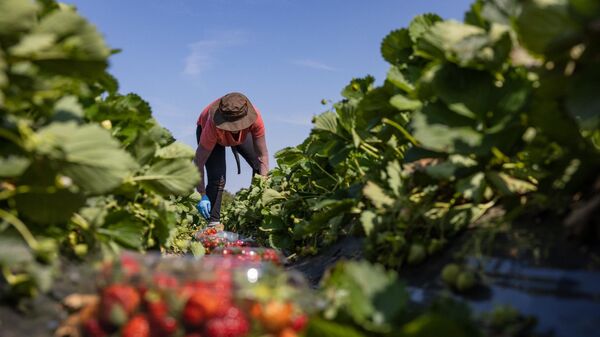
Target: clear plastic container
(211,296)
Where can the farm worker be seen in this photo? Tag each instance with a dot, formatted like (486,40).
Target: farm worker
(229,121)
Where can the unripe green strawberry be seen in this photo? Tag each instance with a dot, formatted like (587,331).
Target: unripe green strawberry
(416,254)
(465,281)
(450,273)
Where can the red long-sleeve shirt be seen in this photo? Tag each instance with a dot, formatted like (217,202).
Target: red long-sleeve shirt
(211,135)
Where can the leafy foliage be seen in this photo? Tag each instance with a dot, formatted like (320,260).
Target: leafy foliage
(495,111)
(84,168)
(361,299)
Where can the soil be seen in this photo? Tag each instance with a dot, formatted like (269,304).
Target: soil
(42,315)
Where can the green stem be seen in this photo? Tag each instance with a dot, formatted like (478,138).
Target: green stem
(402,130)
(324,171)
(11,136)
(20,227)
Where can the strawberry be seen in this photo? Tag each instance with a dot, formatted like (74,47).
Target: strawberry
(275,316)
(299,322)
(203,304)
(271,255)
(161,322)
(215,328)
(287,332)
(138,326)
(165,281)
(92,328)
(233,324)
(130,265)
(117,303)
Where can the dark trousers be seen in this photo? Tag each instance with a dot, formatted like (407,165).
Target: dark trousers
(216,170)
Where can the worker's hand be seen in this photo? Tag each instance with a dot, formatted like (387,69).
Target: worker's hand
(204,206)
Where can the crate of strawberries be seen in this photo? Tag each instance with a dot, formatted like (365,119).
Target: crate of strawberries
(142,296)
(250,254)
(212,238)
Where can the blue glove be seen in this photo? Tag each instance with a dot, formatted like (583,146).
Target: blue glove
(204,206)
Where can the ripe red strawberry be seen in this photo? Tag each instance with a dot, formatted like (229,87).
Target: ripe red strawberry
(138,326)
(130,265)
(165,281)
(234,324)
(299,322)
(92,328)
(271,255)
(194,314)
(287,332)
(204,304)
(161,322)
(117,303)
(215,328)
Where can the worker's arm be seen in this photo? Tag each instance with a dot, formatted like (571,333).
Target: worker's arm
(200,159)
(260,147)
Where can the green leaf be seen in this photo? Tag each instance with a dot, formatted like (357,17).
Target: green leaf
(583,100)
(471,88)
(472,187)
(396,47)
(13,166)
(508,185)
(87,154)
(421,24)
(79,39)
(197,249)
(367,219)
(269,195)
(128,233)
(397,78)
(143,148)
(68,108)
(326,121)
(404,103)
(177,176)
(587,8)
(16,16)
(372,296)
(175,150)
(428,325)
(466,45)
(545,24)
(14,251)
(65,43)
(318,327)
(376,195)
(358,87)
(49,205)
(42,200)
(439,129)
(394,176)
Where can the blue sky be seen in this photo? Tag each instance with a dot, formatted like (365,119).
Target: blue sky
(285,55)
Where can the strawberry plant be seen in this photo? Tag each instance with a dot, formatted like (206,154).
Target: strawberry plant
(83,169)
(496,112)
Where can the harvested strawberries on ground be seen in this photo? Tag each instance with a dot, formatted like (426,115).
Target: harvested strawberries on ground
(138,326)
(92,328)
(117,303)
